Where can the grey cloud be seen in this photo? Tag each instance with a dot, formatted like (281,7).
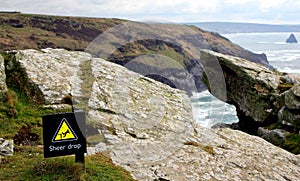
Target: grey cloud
(175,10)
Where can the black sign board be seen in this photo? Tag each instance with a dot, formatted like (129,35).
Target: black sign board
(64,134)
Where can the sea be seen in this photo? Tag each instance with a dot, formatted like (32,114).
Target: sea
(285,57)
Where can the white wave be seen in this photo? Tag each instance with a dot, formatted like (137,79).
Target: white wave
(289,70)
(283,55)
(208,110)
(278,43)
(283,58)
(259,34)
(285,51)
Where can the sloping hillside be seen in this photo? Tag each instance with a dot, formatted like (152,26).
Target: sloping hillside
(26,31)
(21,31)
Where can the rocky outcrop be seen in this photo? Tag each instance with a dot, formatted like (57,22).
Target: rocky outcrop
(3,87)
(147,127)
(44,76)
(250,87)
(261,97)
(291,39)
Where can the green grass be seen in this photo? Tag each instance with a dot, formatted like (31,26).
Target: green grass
(159,57)
(25,114)
(174,56)
(28,163)
(292,143)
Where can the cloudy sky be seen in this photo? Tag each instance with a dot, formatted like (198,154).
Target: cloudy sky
(255,11)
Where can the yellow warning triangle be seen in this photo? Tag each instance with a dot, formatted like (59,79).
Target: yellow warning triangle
(64,132)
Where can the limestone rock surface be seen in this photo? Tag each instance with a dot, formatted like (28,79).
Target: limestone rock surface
(147,127)
(50,74)
(3,86)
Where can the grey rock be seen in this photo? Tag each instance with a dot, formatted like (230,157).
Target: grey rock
(249,84)
(55,72)
(3,86)
(289,117)
(296,90)
(257,93)
(276,136)
(292,98)
(6,147)
(112,139)
(221,125)
(291,39)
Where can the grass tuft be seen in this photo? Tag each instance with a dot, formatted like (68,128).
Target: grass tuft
(292,143)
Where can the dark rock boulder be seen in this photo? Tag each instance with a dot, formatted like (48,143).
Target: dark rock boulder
(291,39)
(292,98)
(249,86)
(276,136)
(289,114)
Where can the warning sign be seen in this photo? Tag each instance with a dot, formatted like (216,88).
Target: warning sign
(64,132)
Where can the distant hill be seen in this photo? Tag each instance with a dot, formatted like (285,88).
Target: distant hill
(24,31)
(229,27)
(27,31)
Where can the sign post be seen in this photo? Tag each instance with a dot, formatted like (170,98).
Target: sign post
(64,134)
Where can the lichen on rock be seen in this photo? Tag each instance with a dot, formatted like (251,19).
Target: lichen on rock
(48,75)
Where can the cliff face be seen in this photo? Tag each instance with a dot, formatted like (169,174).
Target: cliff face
(146,126)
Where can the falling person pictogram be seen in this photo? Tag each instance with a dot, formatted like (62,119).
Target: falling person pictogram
(64,132)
